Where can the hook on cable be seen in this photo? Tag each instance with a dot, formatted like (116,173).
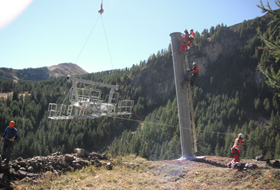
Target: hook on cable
(101,10)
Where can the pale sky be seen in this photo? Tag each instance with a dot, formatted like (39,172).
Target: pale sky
(38,33)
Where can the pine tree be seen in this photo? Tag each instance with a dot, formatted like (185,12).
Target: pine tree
(277,147)
(217,150)
(266,105)
(272,44)
(258,105)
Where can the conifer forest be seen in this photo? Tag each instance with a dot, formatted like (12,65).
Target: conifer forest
(227,101)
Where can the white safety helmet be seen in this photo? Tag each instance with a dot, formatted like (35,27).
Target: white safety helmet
(191,29)
(241,136)
(194,63)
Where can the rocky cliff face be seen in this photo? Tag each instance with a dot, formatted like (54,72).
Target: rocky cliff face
(157,79)
(212,50)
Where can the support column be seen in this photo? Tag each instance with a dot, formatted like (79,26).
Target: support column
(182,97)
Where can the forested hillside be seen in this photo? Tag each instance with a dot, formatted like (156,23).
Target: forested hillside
(227,101)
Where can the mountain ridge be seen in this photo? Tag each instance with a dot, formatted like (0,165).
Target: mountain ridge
(41,73)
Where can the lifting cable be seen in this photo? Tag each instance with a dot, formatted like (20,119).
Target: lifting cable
(87,39)
(82,51)
(107,42)
(140,121)
(101,10)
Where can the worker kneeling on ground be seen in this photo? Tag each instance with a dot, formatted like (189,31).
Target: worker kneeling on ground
(236,150)
(8,138)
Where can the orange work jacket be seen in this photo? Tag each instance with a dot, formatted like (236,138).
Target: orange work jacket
(237,144)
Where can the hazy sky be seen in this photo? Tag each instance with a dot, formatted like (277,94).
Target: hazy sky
(38,33)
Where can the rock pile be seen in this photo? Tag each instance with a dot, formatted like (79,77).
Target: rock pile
(57,163)
(244,166)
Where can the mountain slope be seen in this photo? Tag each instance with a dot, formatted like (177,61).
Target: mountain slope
(42,73)
(208,48)
(64,69)
(225,101)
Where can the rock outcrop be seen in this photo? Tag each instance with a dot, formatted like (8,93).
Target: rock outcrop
(157,79)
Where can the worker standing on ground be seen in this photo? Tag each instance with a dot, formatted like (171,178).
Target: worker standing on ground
(191,38)
(236,149)
(184,41)
(195,73)
(8,138)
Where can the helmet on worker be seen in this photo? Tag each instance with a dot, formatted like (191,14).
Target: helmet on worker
(12,124)
(194,63)
(191,29)
(241,136)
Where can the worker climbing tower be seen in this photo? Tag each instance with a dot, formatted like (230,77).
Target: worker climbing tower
(179,67)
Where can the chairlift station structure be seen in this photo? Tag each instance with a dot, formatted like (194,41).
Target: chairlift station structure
(86,103)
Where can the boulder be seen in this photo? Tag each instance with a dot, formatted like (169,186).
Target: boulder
(19,159)
(69,158)
(77,166)
(250,166)
(109,166)
(30,169)
(97,163)
(81,152)
(94,154)
(23,163)
(31,175)
(35,165)
(22,173)
(22,168)
(239,166)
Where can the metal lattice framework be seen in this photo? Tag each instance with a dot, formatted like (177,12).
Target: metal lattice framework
(86,103)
